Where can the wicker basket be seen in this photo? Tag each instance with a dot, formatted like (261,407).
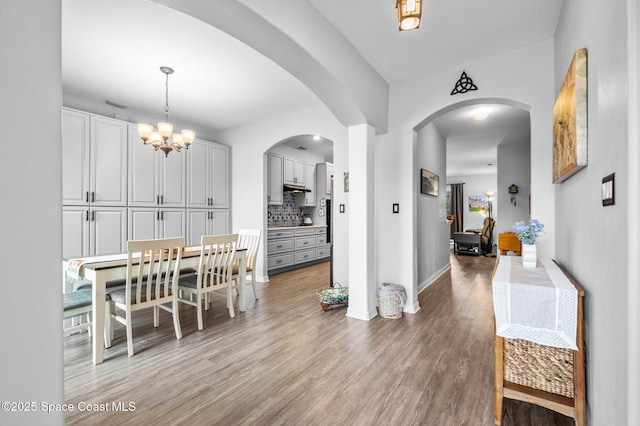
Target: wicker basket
(390,307)
(539,367)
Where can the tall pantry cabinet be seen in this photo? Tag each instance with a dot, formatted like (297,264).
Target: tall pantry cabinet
(115,188)
(94,184)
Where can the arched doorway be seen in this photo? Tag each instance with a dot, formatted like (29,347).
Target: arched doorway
(487,153)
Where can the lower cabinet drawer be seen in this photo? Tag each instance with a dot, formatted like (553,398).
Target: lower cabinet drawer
(305,242)
(321,252)
(280,260)
(321,240)
(305,255)
(277,246)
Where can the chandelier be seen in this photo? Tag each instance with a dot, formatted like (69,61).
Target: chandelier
(409,13)
(164,139)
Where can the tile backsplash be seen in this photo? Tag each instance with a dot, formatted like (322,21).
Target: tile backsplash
(288,214)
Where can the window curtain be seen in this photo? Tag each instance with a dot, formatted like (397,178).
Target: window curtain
(457,207)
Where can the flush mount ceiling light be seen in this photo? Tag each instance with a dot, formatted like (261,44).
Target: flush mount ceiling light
(409,13)
(480,114)
(164,139)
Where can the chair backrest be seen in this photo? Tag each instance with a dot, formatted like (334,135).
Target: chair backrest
(159,264)
(487,228)
(217,254)
(250,239)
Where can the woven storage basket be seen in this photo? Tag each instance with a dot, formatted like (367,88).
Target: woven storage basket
(539,367)
(390,307)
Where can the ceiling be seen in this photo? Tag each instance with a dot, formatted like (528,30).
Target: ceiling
(112,50)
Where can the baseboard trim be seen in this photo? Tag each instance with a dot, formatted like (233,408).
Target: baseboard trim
(426,283)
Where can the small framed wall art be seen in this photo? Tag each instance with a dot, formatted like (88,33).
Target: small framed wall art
(429,183)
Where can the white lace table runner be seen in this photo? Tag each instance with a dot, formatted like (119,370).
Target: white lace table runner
(539,305)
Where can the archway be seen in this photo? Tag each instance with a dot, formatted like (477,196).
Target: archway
(490,154)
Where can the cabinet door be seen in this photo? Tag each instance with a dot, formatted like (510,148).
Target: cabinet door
(329,179)
(288,170)
(143,171)
(142,223)
(310,182)
(75,238)
(108,230)
(197,225)
(197,186)
(274,191)
(299,172)
(75,158)
(219,171)
(219,222)
(172,223)
(108,169)
(172,178)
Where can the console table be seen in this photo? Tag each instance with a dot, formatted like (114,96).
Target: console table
(547,376)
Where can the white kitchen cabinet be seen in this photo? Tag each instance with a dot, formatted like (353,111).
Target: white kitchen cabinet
(207,175)
(293,172)
(93,231)
(310,182)
(155,179)
(206,222)
(295,247)
(94,160)
(275,165)
(75,157)
(324,175)
(152,223)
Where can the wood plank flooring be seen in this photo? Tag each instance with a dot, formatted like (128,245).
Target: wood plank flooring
(286,362)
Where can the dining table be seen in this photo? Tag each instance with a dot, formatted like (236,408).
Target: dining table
(101,269)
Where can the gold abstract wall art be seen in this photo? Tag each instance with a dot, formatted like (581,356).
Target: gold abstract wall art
(570,121)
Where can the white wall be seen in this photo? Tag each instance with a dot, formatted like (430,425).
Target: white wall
(476,185)
(514,167)
(249,177)
(591,240)
(432,227)
(524,75)
(31,354)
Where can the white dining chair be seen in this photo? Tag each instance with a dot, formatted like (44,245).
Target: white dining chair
(214,274)
(153,273)
(249,239)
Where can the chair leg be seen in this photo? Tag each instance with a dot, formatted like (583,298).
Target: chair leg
(176,318)
(199,311)
(89,322)
(230,302)
(108,325)
(129,334)
(156,316)
(253,284)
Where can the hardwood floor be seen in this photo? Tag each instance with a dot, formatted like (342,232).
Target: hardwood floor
(286,362)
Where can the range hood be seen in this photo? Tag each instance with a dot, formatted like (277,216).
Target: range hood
(295,188)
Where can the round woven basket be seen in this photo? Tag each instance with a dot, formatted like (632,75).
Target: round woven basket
(390,307)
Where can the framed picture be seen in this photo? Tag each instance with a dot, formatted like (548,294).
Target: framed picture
(429,183)
(570,121)
(478,203)
(346,181)
(608,190)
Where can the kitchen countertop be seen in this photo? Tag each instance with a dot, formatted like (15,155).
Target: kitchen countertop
(296,227)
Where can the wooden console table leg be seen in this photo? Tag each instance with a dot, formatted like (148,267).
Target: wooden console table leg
(498,371)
